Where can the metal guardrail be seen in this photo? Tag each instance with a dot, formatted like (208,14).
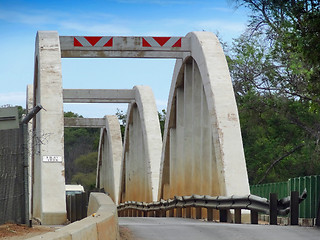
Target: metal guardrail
(250,202)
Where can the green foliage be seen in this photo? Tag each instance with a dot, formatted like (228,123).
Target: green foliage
(162,119)
(86,167)
(77,142)
(87,180)
(87,163)
(275,68)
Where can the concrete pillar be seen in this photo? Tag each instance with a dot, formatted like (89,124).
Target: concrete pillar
(29,106)
(49,199)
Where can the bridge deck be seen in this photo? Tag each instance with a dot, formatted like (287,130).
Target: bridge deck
(181,228)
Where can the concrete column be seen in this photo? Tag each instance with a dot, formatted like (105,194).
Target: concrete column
(29,106)
(49,199)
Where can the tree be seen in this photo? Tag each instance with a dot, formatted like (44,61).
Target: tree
(292,30)
(86,167)
(77,142)
(276,82)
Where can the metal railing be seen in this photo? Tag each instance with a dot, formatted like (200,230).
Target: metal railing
(309,207)
(173,207)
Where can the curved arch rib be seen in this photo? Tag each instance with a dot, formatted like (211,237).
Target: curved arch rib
(109,157)
(202,148)
(142,149)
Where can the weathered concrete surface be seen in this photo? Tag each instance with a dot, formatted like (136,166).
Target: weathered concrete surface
(101,223)
(202,148)
(84,122)
(29,106)
(124,47)
(142,149)
(98,95)
(49,201)
(185,229)
(109,157)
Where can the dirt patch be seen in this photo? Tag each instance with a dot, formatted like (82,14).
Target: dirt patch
(126,234)
(19,232)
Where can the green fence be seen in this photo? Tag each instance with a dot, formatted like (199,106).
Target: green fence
(308,208)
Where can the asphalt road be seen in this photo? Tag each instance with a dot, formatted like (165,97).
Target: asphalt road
(184,229)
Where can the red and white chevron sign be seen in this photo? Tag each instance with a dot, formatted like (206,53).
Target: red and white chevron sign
(161,42)
(93,41)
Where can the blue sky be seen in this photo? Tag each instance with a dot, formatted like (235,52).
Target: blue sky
(20,21)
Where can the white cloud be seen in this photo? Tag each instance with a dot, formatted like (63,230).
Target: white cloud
(13,98)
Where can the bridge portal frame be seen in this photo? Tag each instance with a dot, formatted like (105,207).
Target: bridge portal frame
(207,55)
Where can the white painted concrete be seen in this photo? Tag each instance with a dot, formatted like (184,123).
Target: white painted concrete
(101,223)
(98,95)
(29,106)
(124,47)
(202,149)
(84,122)
(142,149)
(49,202)
(109,157)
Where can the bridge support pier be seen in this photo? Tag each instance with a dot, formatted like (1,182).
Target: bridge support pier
(49,197)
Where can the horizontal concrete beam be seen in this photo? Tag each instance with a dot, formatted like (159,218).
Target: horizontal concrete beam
(124,47)
(98,95)
(85,122)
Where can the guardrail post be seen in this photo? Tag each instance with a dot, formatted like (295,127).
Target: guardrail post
(178,212)
(223,215)
(254,217)
(237,215)
(294,208)
(130,212)
(151,213)
(209,214)
(273,208)
(187,212)
(145,214)
(163,213)
(198,212)
(134,212)
(125,213)
(171,213)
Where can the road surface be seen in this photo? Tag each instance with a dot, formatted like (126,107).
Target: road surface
(185,229)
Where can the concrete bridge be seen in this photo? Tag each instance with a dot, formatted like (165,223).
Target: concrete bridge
(201,151)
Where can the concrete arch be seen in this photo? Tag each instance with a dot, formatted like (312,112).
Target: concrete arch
(142,149)
(202,148)
(109,157)
(49,203)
